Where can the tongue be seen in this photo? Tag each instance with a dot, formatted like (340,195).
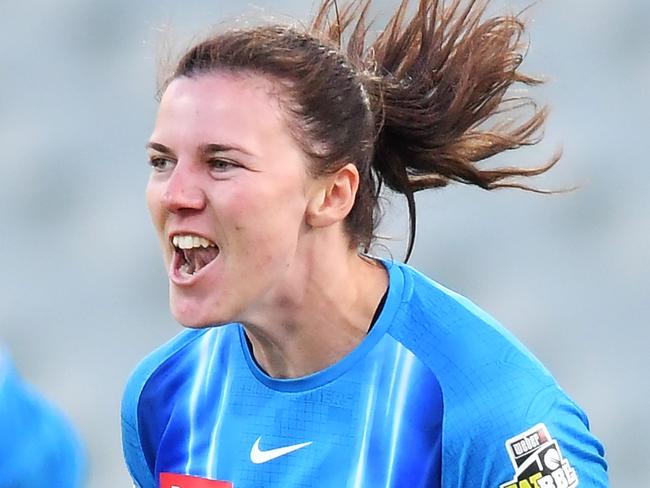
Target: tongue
(197,258)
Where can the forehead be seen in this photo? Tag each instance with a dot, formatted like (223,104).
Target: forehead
(222,105)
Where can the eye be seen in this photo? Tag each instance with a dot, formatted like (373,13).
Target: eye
(220,165)
(161,163)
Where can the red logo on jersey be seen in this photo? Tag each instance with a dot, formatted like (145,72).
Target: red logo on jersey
(171,480)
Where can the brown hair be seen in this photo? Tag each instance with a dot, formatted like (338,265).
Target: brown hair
(418,108)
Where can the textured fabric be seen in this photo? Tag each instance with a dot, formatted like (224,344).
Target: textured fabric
(437,394)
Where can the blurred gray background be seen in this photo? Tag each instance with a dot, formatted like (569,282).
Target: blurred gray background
(83,294)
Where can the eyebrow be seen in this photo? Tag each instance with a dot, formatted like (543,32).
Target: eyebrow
(216,148)
(159,147)
(210,148)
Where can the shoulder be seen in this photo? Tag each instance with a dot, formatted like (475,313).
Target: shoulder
(483,370)
(494,389)
(456,338)
(150,369)
(155,361)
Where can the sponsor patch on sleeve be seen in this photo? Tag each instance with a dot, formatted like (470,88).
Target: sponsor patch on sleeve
(538,461)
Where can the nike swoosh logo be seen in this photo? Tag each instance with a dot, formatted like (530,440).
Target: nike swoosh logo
(258,456)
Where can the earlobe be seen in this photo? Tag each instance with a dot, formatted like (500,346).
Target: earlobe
(334,198)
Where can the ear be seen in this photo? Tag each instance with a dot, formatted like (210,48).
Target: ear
(334,197)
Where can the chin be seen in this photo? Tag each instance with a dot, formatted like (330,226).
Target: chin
(188,314)
(193,325)
(194,315)
(190,321)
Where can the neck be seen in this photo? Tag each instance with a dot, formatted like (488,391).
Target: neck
(321,313)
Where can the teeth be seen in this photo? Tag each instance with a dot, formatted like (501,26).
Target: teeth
(191,241)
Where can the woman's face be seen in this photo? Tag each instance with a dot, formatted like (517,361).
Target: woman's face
(228,195)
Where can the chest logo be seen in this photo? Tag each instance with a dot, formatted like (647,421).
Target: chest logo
(258,456)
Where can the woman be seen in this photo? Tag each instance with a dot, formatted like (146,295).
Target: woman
(307,362)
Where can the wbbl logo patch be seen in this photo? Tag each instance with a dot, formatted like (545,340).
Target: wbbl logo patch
(538,461)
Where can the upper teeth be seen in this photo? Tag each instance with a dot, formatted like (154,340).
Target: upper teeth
(190,241)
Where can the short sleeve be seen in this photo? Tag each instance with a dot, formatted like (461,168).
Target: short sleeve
(568,429)
(544,442)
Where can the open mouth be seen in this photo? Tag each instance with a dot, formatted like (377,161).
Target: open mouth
(192,253)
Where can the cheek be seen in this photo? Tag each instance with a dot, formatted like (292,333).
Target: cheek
(268,218)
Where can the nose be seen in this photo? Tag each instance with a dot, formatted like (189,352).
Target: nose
(183,190)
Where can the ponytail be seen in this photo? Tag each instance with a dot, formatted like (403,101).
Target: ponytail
(438,86)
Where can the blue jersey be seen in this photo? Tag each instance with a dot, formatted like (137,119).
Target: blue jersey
(437,395)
